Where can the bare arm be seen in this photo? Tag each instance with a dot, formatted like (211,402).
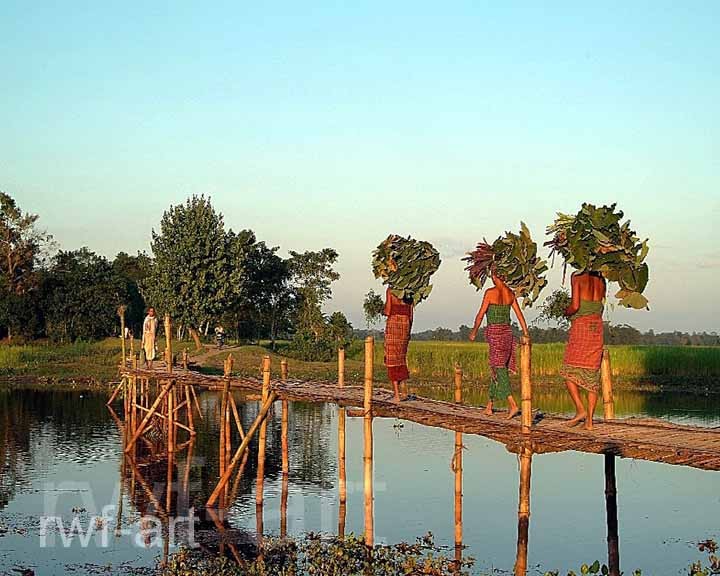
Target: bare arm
(480,316)
(520,317)
(388,296)
(575,290)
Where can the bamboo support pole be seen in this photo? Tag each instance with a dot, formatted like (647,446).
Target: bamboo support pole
(121,313)
(189,408)
(284,506)
(613,540)
(243,446)
(197,402)
(236,416)
(185,360)
(368,443)
(262,437)
(171,449)
(164,418)
(607,387)
(116,391)
(284,439)
(168,342)
(342,470)
(223,412)
(132,347)
(151,412)
(458,469)
(283,369)
(523,511)
(525,385)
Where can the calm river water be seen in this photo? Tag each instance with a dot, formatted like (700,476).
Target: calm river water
(60,455)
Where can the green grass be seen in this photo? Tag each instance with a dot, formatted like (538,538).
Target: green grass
(436,361)
(429,362)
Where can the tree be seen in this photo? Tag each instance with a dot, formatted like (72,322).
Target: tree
(267,301)
(312,275)
(131,272)
(80,296)
(197,272)
(21,249)
(341,331)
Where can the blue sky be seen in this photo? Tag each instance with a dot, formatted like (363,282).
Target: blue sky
(334,124)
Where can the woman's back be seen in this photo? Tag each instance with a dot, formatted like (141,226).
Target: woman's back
(590,287)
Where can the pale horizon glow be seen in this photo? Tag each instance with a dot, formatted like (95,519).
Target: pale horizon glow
(333,125)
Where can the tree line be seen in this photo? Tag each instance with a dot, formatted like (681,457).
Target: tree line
(200,272)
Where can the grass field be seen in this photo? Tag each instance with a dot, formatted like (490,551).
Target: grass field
(429,362)
(436,361)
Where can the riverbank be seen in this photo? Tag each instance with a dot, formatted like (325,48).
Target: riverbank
(94,364)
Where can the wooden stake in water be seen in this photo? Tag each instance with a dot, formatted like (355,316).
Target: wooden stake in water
(523,511)
(368,443)
(342,470)
(525,385)
(241,449)
(458,468)
(168,342)
(613,539)
(607,388)
(121,313)
(263,435)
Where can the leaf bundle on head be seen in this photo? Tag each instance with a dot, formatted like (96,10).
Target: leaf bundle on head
(513,257)
(406,265)
(595,240)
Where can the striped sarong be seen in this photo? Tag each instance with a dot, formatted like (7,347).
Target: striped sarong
(397,338)
(501,351)
(583,353)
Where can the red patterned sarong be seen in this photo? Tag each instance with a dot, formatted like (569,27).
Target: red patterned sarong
(397,338)
(584,350)
(501,344)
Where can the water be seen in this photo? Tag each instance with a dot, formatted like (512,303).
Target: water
(60,451)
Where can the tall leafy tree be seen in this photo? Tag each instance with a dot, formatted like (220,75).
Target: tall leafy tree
(268,299)
(313,275)
(80,296)
(131,272)
(197,271)
(22,244)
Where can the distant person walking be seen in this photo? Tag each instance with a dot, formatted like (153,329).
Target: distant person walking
(150,326)
(397,337)
(583,354)
(496,305)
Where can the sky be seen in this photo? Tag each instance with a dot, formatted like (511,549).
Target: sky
(337,123)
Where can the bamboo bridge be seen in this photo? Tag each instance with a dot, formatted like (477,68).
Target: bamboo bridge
(164,399)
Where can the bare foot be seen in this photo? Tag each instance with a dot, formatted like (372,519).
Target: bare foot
(578,418)
(588,424)
(512,413)
(488,411)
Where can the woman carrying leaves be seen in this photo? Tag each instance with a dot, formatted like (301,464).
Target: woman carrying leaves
(516,271)
(399,315)
(601,248)
(496,306)
(583,354)
(405,265)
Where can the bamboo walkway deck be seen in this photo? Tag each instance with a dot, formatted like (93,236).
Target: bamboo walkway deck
(644,439)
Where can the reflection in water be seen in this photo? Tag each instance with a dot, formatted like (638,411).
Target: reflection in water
(52,436)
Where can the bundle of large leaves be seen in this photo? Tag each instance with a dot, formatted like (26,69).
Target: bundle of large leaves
(514,259)
(594,240)
(406,265)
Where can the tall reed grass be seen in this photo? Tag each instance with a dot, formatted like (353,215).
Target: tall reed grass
(436,360)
